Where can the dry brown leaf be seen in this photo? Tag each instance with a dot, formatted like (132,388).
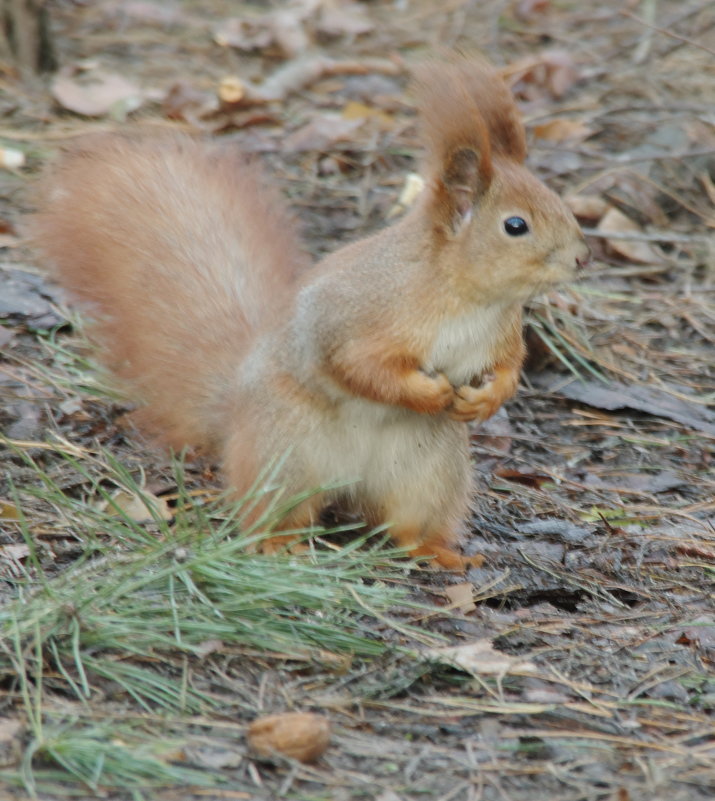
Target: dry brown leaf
(11,558)
(360,111)
(528,10)
(587,207)
(94,93)
(184,102)
(244,34)
(562,130)
(203,649)
(299,735)
(461,596)
(8,511)
(323,131)
(344,19)
(480,658)
(615,221)
(140,508)
(553,70)
(651,400)
(535,480)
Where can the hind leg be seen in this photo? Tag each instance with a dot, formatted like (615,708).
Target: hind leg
(243,473)
(440,548)
(426,501)
(440,545)
(303,516)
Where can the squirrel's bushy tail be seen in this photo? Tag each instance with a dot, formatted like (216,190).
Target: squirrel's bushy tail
(181,253)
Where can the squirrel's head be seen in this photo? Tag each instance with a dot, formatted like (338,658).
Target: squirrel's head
(508,235)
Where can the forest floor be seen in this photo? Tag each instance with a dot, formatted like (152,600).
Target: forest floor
(577,663)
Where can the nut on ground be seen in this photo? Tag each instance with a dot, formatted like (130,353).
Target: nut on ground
(298,735)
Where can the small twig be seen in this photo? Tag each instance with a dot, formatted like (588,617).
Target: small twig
(300,73)
(653,236)
(618,159)
(665,32)
(643,48)
(676,45)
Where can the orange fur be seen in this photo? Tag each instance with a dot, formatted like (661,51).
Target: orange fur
(355,376)
(168,241)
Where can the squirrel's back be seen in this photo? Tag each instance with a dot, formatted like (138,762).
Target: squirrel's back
(181,252)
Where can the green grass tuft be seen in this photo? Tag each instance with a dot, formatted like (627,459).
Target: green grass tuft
(131,615)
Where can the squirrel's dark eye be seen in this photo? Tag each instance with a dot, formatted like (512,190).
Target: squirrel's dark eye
(516,226)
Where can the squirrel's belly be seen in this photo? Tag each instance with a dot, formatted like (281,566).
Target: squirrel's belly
(371,442)
(464,346)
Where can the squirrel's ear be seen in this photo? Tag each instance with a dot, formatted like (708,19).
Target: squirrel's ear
(458,150)
(465,177)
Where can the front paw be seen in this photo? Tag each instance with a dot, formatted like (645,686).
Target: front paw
(429,394)
(475,403)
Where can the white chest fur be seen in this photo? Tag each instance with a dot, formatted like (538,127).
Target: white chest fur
(464,346)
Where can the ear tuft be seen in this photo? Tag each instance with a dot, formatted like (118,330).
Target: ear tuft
(468,116)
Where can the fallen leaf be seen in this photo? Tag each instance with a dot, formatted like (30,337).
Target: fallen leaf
(203,649)
(8,511)
(562,130)
(283,30)
(140,508)
(615,221)
(71,406)
(94,93)
(527,10)
(184,102)
(662,481)
(360,111)
(587,207)
(535,480)
(244,34)
(11,558)
(461,596)
(344,19)
(321,133)
(495,437)
(651,400)
(480,658)
(700,632)
(289,35)
(563,529)
(553,71)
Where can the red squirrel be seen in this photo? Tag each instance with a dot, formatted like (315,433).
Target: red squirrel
(358,374)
